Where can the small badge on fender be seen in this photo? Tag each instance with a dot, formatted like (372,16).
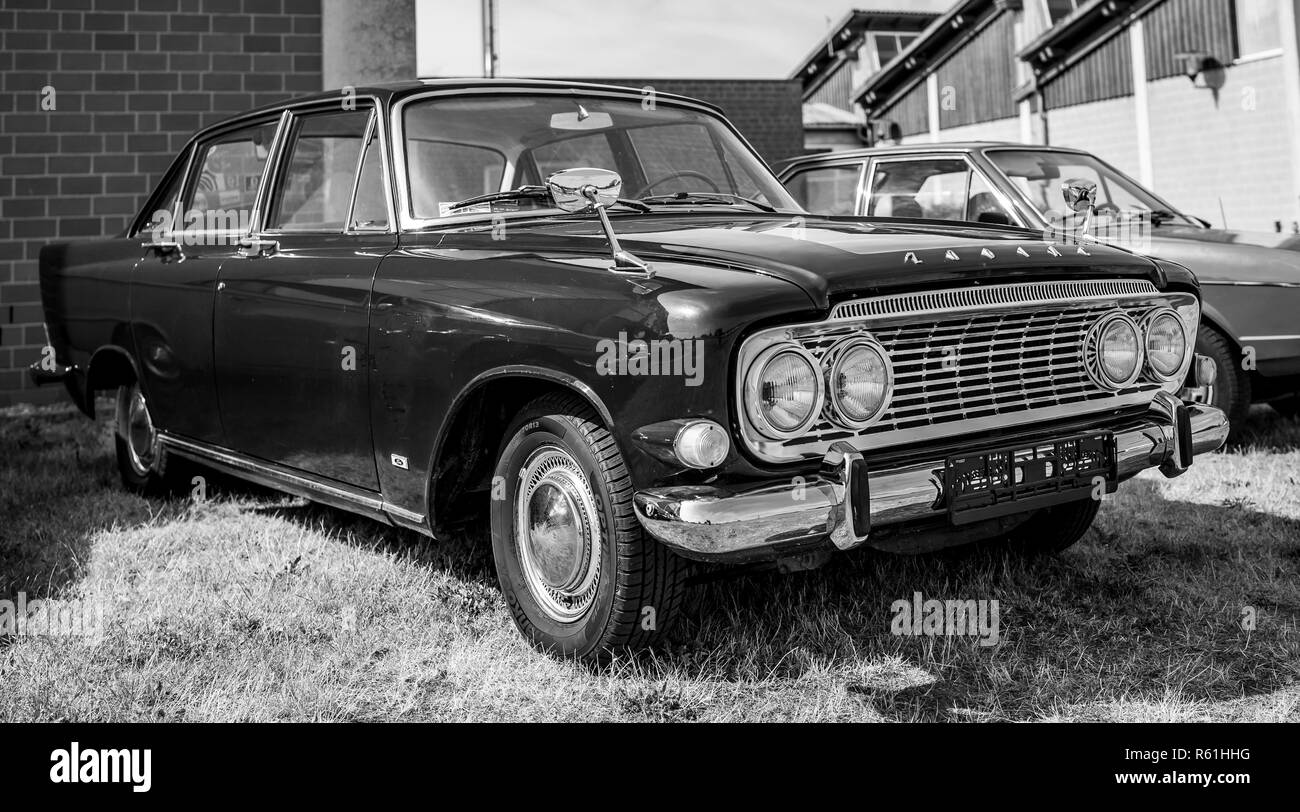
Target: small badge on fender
(987,254)
(1020,249)
(399,462)
(950,254)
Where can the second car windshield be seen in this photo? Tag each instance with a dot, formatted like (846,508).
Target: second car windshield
(460,148)
(1040,173)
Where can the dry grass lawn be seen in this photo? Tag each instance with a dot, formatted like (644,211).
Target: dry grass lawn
(253,607)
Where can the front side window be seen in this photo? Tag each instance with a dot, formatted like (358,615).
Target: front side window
(935,189)
(314,191)
(458,148)
(224,187)
(828,189)
(1038,174)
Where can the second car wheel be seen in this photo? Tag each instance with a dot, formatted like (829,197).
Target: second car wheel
(1232,383)
(580,576)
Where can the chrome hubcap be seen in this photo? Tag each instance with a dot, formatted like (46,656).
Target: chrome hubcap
(557,533)
(136,427)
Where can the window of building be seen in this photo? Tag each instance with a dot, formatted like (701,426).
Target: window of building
(886,46)
(1257,26)
(1058,10)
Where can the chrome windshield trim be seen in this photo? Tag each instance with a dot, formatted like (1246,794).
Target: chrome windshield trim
(397,149)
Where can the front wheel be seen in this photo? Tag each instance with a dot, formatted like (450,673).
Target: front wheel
(581,578)
(1051,530)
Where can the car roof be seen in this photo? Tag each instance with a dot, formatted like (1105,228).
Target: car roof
(905,149)
(389,92)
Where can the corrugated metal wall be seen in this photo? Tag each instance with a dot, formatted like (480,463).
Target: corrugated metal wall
(975,84)
(910,112)
(1106,73)
(837,90)
(1188,25)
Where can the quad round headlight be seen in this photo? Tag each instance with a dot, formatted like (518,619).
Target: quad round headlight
(1166,344)
(1113,352)
(860,381)
(783,391)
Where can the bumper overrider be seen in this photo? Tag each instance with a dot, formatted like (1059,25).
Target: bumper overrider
(845,500)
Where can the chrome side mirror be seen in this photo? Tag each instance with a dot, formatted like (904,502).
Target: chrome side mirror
(588,189)
(1080,196)
(576,190)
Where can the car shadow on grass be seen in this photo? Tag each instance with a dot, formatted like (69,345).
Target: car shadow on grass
(60,490)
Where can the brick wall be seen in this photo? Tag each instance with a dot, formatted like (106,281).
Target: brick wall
(131,80)
(769,112)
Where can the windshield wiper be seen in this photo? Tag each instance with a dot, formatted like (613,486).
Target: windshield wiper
(706,197)
(530,193)
(522,193)
(1162,214)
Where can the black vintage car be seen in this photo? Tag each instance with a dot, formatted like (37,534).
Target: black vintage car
(596,316)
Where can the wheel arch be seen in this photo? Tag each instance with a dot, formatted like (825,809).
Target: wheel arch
(110,366)
(465,449)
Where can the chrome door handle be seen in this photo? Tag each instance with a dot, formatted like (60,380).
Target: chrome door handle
(255,247)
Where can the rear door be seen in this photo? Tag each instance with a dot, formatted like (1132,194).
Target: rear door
(201,218)
(292,312)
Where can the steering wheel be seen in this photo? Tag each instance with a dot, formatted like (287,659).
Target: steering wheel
(685,173)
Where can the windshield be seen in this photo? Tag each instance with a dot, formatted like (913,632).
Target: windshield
(459,148)
(1039,174)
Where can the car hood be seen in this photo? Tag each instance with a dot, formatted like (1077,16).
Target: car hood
(831,257)
(1219,255)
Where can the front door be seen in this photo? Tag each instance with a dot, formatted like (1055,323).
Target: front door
(292,313)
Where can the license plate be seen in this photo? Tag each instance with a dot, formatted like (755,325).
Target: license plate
(1018,478)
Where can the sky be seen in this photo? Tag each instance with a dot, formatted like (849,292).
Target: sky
(708,39)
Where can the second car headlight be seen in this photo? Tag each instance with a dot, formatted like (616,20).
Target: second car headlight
(783,391)
(860,380)
(1166,344)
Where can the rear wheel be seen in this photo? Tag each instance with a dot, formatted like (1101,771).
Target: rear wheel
(1232,384)
(1054,529)
(143,463)
(581,578)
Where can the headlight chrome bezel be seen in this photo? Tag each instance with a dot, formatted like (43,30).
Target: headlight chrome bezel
(753,391)
(831,364)
(1093,350)
(1148,321)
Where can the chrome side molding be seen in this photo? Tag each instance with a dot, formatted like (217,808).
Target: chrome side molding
(297,483)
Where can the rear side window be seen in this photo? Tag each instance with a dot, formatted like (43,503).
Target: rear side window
(314,190)
(828,189)
(224,188)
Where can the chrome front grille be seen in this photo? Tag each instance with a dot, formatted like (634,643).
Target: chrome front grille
(969,360)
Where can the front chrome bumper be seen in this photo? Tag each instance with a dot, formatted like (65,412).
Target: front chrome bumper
(712,522)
